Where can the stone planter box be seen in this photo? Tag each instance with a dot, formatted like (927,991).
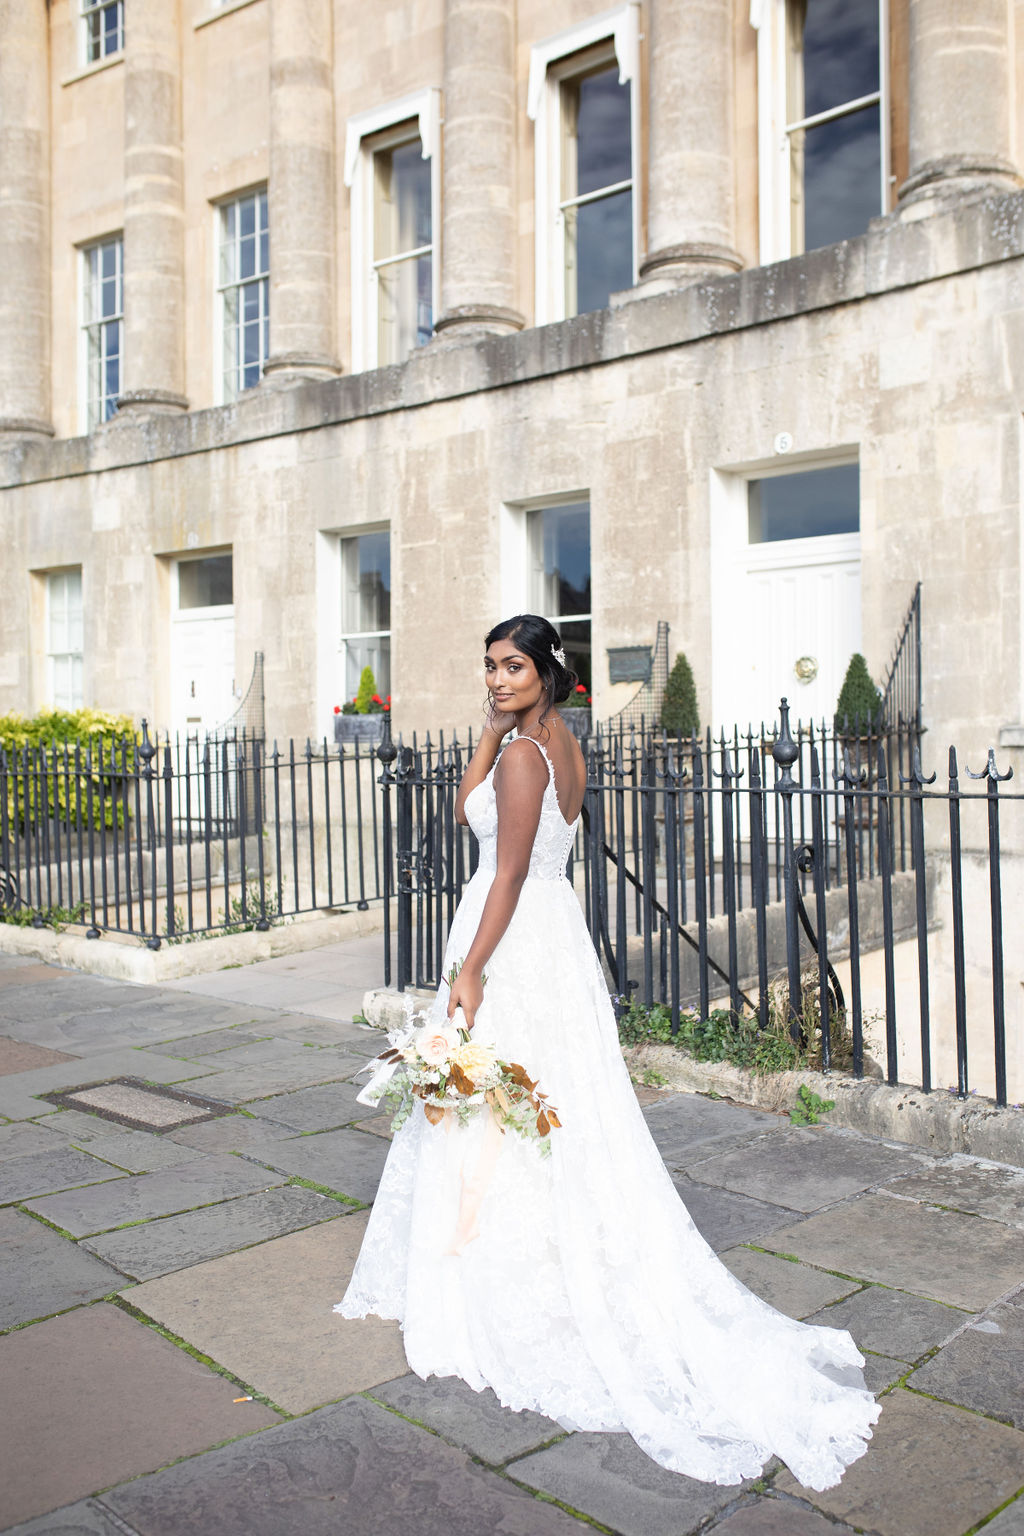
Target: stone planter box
(358,728)
(579,721)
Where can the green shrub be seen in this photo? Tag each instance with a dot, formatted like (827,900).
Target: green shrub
(679,706)
(49,793)
(859,705)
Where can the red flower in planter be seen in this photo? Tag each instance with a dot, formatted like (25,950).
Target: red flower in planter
(337,709)
(580,688)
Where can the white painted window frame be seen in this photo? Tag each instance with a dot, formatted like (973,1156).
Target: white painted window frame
(768,18)
(551,64)
(53,656)
(515,558)
(89,409)
(362,140)
(87,9)
(346,635)
(222,395)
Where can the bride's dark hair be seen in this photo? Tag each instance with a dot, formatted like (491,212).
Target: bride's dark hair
(538,639)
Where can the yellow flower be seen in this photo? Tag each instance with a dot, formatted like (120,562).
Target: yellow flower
(475,1060)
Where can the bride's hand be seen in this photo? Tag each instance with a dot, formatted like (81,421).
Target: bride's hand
(500,721)
(467,994)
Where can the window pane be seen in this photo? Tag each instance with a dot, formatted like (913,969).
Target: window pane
(805,506)
(841,177)
(405,308)
(602,132)
(577,647)
(402,220)
(599,251)
(374,653)
(205,583)
(366,581)
(840,46)
(560,542)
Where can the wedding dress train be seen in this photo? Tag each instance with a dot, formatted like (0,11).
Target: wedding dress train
(577,1285)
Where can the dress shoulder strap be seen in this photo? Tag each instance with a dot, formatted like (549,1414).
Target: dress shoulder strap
(543,753)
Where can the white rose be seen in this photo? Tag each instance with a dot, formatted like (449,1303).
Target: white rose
(436,1045)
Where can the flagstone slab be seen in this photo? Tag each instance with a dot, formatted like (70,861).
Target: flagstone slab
(930,1470)
(19,1094)
(688,1127)
(87,1517)
(893,1323)
(789,1287)
(882,1372)
(147,1195)
(723,1218)
(141,1151)
(80,1127)
(983,1367)
(778,1517)
(806,1169)
(316,1109)
(101,1397)
(963,1184)
(609,1478)
(175,1242)
(943,1255)
(1010,1522)
(42,1272)
(238,1085)
(358,1039)
(209,1044)
(20,1056)
(25,1137)
(230,1133)
(269,1052)
(347,1161)
(266,1315)
(40,1172)
(353,1469)
(474,1421)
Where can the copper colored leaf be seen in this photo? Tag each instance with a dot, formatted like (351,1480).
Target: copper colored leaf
(553,1117)
(542,1124)
(434,1113)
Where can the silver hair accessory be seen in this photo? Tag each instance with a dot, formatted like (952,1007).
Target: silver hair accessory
(559,655)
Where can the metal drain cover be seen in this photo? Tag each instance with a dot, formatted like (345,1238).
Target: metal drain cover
(130,1102)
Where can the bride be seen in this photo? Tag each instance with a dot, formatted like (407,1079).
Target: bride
(576,1284)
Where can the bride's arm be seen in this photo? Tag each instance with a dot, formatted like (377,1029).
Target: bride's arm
(519,788)
(498,725)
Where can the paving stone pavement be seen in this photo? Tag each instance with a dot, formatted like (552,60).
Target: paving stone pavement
(150,1279)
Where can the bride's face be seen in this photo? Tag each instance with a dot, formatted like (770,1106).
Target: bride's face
(511,678)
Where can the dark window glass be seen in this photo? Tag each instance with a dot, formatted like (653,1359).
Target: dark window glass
(805,506)
(205,583)
(604,249)
(603,154)
(842,184)
(840,52)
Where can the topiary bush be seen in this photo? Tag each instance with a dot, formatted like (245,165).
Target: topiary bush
(44,783)
(679,706)
(859,706)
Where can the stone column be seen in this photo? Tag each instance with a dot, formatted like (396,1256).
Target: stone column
(478,290)
(24,220)
(960,100)
(154,213)
(301,196)
(691,185)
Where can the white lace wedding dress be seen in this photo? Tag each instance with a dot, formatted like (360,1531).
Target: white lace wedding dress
(588,1295)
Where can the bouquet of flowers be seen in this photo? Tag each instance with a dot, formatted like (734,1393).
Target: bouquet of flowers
(456,1076)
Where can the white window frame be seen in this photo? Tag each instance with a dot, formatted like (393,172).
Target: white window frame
(223,395)
(70,654)
(423,107)
(552,62)
(87,9)
(516,556)
(769,19)
(344,636)
(90,407)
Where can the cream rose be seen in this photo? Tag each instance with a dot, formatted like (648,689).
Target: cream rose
(474,1059)
(436,1045)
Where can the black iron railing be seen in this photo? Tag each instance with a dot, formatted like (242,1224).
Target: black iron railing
(711,873)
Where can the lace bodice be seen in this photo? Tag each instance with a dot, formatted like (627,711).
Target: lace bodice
(554,834)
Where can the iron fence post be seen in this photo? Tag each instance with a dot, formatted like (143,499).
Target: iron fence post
(404,864)
(785,753)
(386,754)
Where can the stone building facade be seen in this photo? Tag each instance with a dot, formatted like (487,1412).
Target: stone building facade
(336,331)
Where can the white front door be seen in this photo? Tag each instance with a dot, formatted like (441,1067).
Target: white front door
(202,645)
(801,599)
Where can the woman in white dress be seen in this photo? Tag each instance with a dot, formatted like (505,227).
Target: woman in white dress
(576,1284)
